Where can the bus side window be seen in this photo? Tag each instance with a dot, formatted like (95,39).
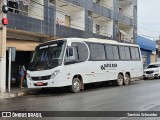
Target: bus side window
(71,55)
(69,52)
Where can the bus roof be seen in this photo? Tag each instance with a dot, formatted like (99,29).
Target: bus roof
(107,41)
(94,40)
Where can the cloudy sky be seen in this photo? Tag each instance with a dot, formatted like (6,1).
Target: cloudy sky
(149,18)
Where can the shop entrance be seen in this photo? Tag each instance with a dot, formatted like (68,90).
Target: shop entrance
(22,59)
(24,51)
(144,61)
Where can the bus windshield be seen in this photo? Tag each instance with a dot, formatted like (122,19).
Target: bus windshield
(47,56)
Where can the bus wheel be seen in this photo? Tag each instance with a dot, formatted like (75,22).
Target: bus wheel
(120,79)
(76,85)
(127,79)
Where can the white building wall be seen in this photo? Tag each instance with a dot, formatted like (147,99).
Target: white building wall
(109,3)
(106,27)
(106,3)
(2,75)
(129,36)
(36,10)
(128,10)
(77,18)
(110,28)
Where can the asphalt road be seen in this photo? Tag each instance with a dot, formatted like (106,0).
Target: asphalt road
(138,96)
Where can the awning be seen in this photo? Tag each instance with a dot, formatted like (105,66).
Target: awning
(123,32)
(22,45)
(146,43)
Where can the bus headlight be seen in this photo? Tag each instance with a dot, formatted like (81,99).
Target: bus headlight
(29,77)
(54,74)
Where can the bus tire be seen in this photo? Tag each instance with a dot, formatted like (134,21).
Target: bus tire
(127,79)
(120,80)
(76,85)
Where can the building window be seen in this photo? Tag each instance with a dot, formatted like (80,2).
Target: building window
(97,29)
(23,8)
(13,6)
(30,8)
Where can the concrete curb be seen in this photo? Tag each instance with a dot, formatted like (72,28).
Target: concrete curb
(20,93)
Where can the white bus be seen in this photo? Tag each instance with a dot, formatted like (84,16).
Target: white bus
(74,62)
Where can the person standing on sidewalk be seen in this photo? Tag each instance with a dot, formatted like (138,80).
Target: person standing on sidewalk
(21,73)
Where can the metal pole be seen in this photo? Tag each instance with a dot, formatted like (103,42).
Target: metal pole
(9,70)
(2,50)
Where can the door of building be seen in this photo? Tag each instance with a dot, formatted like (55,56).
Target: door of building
(67,20)
(144,61)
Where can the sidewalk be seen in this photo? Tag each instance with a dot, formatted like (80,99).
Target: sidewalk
(16,92)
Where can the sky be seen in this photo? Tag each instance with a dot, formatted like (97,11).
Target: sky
(149,18)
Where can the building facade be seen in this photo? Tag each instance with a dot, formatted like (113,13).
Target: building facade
(41,19)
(148,50)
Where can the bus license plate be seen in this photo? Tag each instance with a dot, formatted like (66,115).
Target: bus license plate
(150,75)
(39,83)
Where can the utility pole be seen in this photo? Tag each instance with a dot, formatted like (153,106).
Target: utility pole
(2,49)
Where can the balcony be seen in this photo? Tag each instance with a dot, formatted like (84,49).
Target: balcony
(125,19)
(70,15)
(102,10)
(63,31)
(126,12)
(74,2)
(31,18)
(66,32)
(106,3)
(126,33)
(126,2)
(102,25)
(20,22)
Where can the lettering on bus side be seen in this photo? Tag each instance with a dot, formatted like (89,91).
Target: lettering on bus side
(104,66)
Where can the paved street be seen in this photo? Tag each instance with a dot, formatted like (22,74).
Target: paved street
(139,96)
